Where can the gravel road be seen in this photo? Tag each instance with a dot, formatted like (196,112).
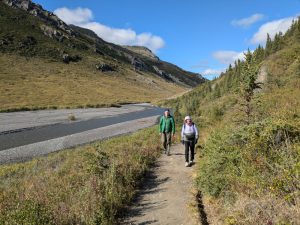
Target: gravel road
(22,120)
(40,137)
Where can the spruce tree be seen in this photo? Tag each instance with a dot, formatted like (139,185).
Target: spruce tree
(268,46)
(297,32)
(277,44)
(249,84)
(259,54)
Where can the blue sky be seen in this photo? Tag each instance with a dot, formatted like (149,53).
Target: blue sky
(202,36)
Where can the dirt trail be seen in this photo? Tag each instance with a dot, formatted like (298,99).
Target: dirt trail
(166,197)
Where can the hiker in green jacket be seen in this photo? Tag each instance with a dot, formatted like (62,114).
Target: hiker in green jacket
(166,130)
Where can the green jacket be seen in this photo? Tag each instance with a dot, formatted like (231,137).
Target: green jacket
(167,124)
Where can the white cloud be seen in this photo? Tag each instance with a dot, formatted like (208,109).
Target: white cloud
(246,22)
(228,57)
(210,71)
(74,16)
(83,17)
(271,28)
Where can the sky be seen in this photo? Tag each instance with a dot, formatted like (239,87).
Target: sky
(202,36)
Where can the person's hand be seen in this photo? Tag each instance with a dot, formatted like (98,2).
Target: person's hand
(182,142)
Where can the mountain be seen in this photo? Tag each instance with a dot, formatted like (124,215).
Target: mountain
(142,58)
(142,51)
(249,119)
(60,65)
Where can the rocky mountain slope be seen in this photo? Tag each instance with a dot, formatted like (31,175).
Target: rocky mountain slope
(52,27)
(46,63)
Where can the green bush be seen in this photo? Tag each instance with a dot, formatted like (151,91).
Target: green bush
(220,163)
(266,153)
(30,212)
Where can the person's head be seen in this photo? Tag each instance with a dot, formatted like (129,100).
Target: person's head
(167,113)
(188,119)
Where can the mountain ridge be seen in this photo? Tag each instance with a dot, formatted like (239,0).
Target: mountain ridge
(53,61)
(133,54)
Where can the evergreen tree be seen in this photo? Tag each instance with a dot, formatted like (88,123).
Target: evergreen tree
(249,84)
(259,54)
(268,46)
(217,91)
(297,29)
(277,44)
(291,30)
(235,66)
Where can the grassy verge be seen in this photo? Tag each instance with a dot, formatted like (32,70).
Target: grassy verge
(35,108)
(86,185)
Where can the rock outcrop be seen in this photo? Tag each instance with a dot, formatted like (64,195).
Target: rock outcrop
(137,64)
(38,11)
(52,33)
(146,52)
(67,58)
(105,68)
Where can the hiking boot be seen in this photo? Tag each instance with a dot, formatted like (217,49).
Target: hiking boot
(186,164)
(191,162)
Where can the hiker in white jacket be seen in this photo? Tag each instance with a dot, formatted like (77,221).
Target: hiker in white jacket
(189,137)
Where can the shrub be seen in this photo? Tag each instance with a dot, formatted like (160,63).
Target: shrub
(71,117)
(262,155)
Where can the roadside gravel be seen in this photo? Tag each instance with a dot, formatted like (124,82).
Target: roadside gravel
(30,151)
(28,119)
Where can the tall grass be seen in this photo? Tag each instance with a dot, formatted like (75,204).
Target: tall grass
(85,185)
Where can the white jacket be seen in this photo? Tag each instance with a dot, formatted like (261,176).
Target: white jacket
(189,130)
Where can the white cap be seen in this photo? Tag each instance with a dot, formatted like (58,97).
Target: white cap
(187,118)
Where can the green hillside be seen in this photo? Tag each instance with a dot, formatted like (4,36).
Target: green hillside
(44,63)
(249,120)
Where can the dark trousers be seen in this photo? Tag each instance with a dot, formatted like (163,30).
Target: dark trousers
(189,146)
(166,139)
